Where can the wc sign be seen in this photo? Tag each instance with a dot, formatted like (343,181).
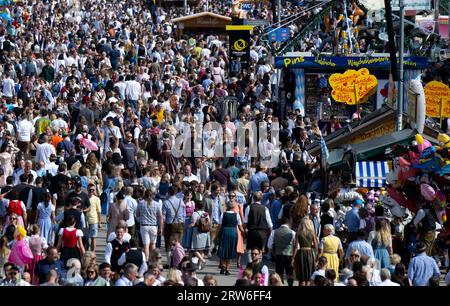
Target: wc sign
(246,6)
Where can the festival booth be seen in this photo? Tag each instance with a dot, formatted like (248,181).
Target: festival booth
(303,83)
(204,22)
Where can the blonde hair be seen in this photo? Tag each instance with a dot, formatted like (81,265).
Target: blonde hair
(395,259)
(247,273)
(384,233)
(173,275)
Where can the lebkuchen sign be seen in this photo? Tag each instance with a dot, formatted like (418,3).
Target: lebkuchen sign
(437,99)
(353,87)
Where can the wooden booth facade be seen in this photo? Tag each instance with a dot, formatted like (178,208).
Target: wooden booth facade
(202,23)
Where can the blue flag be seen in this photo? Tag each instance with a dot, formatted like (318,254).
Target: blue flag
(324,149)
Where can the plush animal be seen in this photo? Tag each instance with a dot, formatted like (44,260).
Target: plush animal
(444,140)
(406,172)
(422,143)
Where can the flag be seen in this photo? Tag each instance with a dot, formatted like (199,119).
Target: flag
(324,149)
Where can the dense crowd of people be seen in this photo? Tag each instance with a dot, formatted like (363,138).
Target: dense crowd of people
(93,97)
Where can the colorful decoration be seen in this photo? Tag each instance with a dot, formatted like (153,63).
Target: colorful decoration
(20,254)
(353,87)
(437,96)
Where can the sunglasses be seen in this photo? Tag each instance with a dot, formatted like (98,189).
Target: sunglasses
(13,218)
(232,195)
(354,255)
(14,273)
(91,272)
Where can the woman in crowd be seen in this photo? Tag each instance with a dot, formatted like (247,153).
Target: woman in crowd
(116,212)
(298,212)
(38,245)
(331,248)
(305,252)
(46,218)
(200,238)
(15,207)
(190,208)
(381,241)
(69,243)
(240,243)
(149,214)
(228,237)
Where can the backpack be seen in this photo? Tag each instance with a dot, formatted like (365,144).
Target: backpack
(204,225)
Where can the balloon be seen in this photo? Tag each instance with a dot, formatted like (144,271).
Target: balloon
(397,196)
(89,144)
(427,192)
(6,16)
(394,207)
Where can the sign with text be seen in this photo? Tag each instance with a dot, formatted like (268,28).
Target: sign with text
(353,87)
(239,44)
(344,62)
(437,99)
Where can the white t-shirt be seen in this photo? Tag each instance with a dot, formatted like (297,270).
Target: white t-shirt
(59,124)
(43,152)
(8,87)
(320,272)
(52,168)
(133,90)
(388,282)
(24,130)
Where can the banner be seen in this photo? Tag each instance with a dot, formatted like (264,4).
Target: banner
(278,35)
(239,44)
(353,87)
(437,97)
(347,62)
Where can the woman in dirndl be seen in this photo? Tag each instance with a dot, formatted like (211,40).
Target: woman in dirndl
(229,223)
(331,248)
(190,208)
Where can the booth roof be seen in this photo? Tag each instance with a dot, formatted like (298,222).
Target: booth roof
(367,149)
(200,15)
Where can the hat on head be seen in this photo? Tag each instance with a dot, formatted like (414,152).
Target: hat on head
(358,202)
(190,267)
(421,247)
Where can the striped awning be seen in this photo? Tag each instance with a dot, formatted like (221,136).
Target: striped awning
(371,174)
